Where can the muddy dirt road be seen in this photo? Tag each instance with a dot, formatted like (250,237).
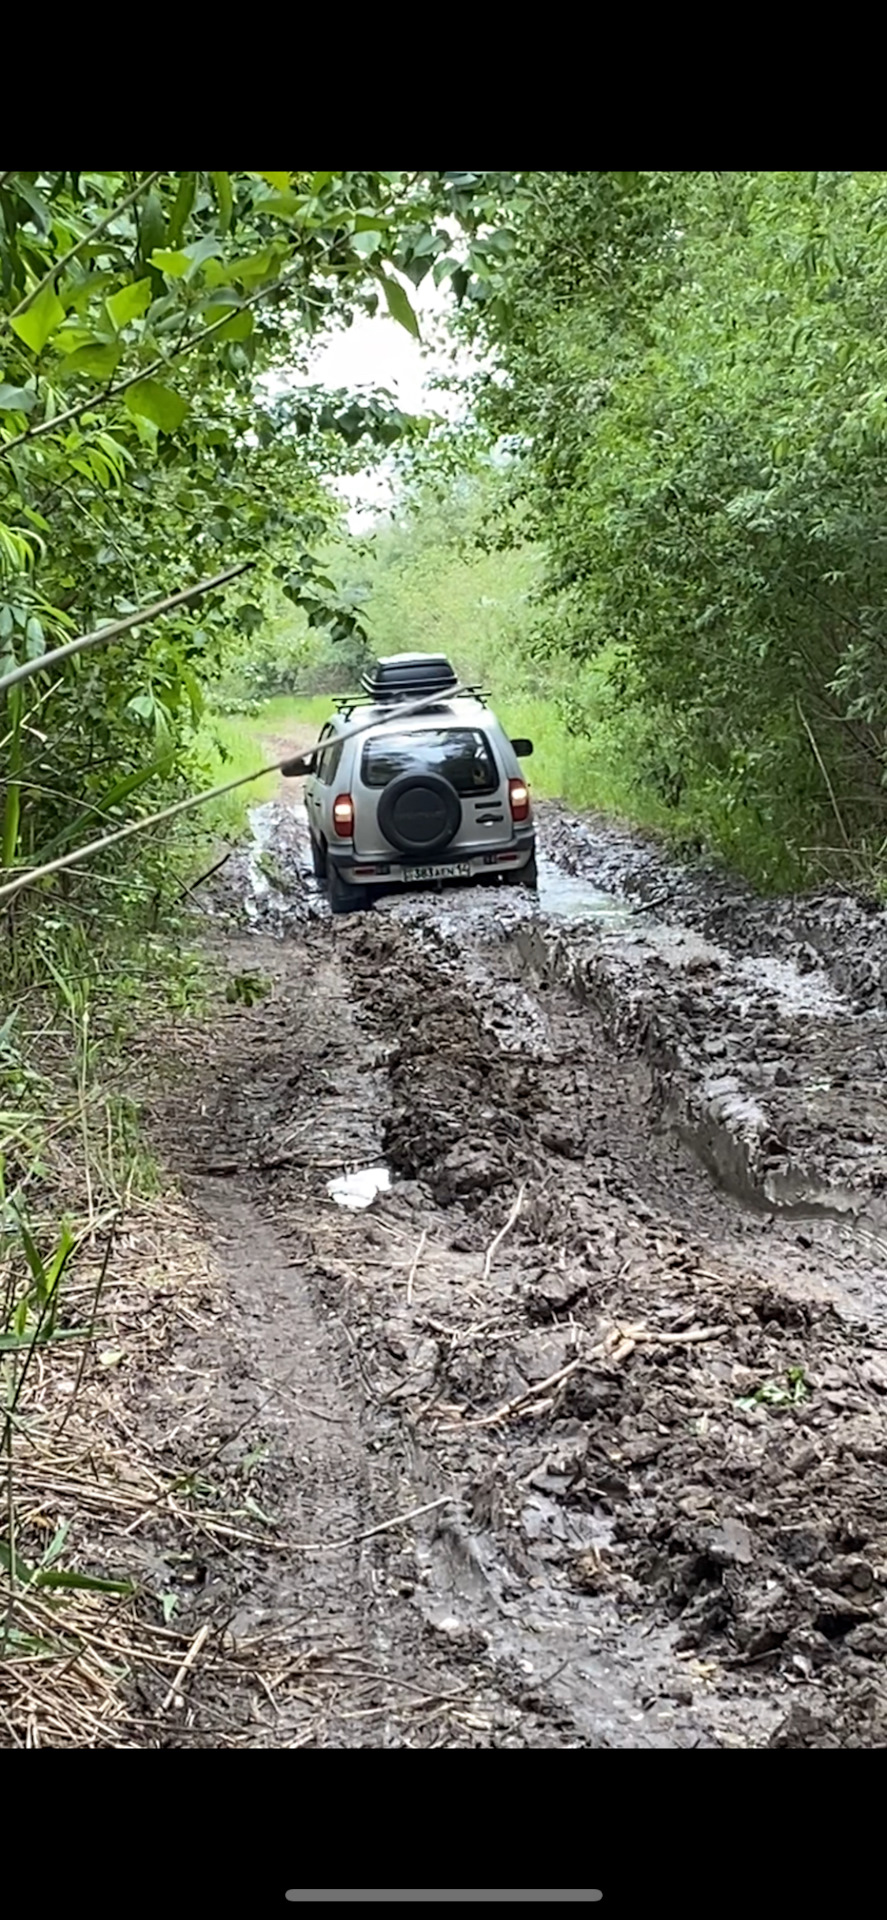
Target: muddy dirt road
(554,1243)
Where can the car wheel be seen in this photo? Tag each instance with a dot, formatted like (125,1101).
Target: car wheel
(341,897)
(527,876)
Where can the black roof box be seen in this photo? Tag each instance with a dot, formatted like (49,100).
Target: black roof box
(409,676)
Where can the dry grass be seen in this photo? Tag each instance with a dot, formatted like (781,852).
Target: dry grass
(85,1668)
(91,1669)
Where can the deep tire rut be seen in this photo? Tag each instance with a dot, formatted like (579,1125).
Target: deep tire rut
(632,1447)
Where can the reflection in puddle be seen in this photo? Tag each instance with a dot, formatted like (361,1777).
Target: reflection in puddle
(358,1189)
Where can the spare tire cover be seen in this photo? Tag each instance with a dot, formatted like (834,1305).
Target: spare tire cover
(419,813)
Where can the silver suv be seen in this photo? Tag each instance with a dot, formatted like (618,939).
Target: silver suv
(410,797)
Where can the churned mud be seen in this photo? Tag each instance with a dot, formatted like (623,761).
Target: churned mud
(553,1236)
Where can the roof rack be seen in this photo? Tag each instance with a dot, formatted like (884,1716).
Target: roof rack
(345,704)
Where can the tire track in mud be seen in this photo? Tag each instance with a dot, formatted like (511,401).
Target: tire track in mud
(683,1540)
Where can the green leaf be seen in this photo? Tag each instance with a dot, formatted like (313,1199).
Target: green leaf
(17,399)
(367,242)
(267,1519)
(42,318)
(201,252)
(131,783)
(224,197)
(250,617)
(318,181)
(399,306)
(132,301)
(32,1255)
(250,269)
(35,201)
(22,1570)
(279,180)
(239,327)
(171,261)
(98,362)
(57,1264)
(9,1342)
(81,1583)
(35,643)
(57,1543)
(285,205)
(142,704)
(184,202)
(152,229)
(164,408)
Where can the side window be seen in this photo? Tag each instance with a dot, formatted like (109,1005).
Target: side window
(330,763)
(323,735)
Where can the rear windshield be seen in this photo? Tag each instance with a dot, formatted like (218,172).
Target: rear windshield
(460,754)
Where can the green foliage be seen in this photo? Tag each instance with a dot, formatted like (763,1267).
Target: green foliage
(433,579)
(145,439)
(696,372)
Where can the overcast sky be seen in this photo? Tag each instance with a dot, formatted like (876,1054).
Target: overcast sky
(380,353)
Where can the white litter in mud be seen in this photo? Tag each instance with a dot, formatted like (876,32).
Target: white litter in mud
(358,1189)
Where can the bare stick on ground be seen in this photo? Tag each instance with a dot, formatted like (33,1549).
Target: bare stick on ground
(198,1643)
(495,1244)
(414,1268)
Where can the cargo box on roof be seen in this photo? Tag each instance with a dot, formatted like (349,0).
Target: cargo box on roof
(409,676)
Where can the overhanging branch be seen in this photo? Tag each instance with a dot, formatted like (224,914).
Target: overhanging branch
(116,627)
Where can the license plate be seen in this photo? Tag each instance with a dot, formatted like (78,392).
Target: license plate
(418,874)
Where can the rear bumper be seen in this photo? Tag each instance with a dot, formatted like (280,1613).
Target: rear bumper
(398,871)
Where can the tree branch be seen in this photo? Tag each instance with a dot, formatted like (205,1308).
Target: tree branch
(824,771)
(290,766)
(144,373)
(116,627)
(52,274)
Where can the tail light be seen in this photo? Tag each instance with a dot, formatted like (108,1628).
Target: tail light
(519,798)
(343,816)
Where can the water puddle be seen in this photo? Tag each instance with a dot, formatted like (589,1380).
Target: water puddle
(567,896)
(272,873)
(359,1189)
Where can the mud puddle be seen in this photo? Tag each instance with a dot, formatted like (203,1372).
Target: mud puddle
(636,1428)
(568,896)
(844,935)
(272,878)
(631,1429)
(760,1062)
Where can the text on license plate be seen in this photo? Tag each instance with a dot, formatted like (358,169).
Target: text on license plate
(418,874)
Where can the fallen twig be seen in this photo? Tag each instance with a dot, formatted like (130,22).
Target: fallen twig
(617,1346)
(488,1257)
(384,1526)
(198,1643)
(413,1270)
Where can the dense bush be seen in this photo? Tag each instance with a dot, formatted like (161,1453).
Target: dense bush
(696,367)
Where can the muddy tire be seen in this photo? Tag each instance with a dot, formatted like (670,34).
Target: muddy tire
(341,897)
(527,876)
(318,862)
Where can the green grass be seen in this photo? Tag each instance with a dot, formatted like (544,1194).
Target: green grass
(291,710)
(587,773)
(226,746)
